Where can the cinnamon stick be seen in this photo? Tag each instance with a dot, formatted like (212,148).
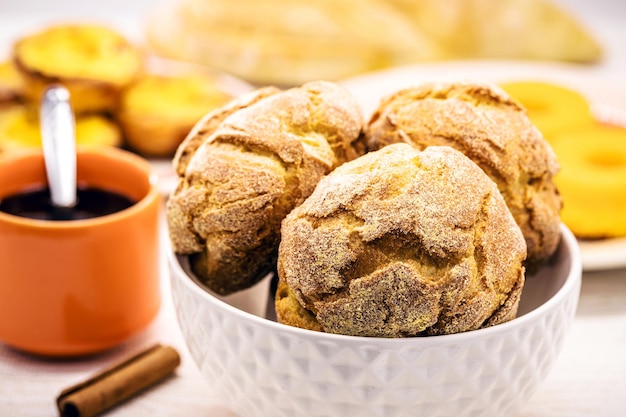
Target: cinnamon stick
(118,383)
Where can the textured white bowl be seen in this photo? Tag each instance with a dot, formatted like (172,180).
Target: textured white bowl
(262,368)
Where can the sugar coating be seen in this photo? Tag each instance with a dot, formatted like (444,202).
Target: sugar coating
(245,166)
(484,123)
(402,243)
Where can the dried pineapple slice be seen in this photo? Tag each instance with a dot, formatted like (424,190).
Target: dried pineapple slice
(552,108)
(307,40)
(592,180)
(329,39)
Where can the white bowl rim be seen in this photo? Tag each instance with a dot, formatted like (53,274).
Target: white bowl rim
(572,283)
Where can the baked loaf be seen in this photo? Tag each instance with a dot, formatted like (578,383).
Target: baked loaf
(504,29)
(485,124)
(331,39)
(306,40)
(401,243)
(244,167)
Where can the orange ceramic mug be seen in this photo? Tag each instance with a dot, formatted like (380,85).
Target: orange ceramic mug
(75,287)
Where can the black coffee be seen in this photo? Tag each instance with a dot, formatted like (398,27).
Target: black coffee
(91,202)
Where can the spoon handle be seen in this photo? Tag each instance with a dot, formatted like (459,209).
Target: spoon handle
(59,145)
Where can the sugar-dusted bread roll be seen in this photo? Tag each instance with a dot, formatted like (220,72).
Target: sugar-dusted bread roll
(401,243)
(485,124)
(245,166)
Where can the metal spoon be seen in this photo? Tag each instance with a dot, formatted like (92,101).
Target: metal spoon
(59,148)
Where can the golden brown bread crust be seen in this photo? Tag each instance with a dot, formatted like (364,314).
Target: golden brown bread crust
(244,167)
(484,123)
(205,127)
(290,311)
(402,243)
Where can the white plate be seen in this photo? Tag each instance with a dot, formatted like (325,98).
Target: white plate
(603,254)
(607,98)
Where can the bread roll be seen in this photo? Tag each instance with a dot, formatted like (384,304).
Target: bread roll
(289,42)
(245,166)
(551,107)
(401,243)
(484,123)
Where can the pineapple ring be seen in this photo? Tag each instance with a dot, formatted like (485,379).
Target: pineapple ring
(552,108)
(592,180)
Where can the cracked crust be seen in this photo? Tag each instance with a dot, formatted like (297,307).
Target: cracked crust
(245,166)
(401,243)
(484,123)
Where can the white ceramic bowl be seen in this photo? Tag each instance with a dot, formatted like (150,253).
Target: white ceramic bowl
(262,368)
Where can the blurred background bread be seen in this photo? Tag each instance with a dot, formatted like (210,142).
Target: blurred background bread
(293,41)
(522,29)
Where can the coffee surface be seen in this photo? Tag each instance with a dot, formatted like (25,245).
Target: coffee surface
(91,202)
